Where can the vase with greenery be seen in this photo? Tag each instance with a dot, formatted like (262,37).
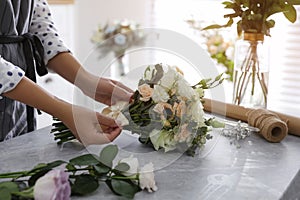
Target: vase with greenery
(251,64)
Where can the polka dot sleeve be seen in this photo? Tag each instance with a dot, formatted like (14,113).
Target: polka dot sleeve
(43,26)
(10,76)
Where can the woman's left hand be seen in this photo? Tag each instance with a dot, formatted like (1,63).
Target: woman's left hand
(110,91)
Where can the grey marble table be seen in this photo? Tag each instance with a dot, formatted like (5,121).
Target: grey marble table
(257,170)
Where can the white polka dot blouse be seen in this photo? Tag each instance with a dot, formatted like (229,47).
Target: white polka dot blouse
(41,25)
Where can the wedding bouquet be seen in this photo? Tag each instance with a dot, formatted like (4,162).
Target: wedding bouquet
(117,37)
(166,111)
(80,176)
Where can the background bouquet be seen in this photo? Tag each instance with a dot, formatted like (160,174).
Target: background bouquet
(166,111)
(117,37)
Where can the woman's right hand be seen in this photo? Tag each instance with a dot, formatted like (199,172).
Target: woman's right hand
(89,127)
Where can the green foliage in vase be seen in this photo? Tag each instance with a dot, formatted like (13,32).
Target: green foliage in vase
(254,15)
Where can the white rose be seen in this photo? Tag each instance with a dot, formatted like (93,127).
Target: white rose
(169,78)
(53,186)
(160,94)
(159,108)
(146,178)
(195,110)
(133,165)
(184,89)
(162,138)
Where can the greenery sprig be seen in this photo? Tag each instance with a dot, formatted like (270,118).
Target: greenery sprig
(254,15)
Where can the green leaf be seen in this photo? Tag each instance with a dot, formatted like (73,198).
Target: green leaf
(84,184)
(37,175)
(219,77)
(70,167)
(102,169)
(213,26)
(294,2)
(270,23)
(84,160)
(108,154)
(9,186)
(158,74)
(122,167)
(43,166)
(290,13)
(124,188)
(5,194)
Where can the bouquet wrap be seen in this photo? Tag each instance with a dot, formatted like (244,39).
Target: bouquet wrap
(273,126)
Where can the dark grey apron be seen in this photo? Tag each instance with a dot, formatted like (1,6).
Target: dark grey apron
(24,50)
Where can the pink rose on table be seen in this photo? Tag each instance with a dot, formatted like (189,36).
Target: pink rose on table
(53,186)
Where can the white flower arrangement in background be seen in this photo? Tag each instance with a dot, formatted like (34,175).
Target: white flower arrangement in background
(117,37)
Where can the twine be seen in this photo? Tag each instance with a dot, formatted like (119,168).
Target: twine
(272,128)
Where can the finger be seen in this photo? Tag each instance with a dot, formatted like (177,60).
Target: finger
(113,85)
(102,138)
(113,134)
(106,121)
(121,85)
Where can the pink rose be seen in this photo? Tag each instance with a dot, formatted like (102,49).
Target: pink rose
(53,186)
(146,92)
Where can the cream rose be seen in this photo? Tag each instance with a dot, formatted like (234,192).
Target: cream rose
(145,91)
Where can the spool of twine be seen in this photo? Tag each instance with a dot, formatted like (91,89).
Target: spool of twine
(272,128)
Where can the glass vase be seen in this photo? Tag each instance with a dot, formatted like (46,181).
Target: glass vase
(119,68)
(251,71)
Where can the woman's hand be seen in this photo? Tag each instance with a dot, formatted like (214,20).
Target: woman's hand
(110,91)
(103,90)
(89,127)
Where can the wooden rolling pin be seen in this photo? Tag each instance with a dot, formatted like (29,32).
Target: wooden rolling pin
(242,113)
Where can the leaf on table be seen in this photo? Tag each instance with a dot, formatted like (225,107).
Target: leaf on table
(108,154)
(84,160)
(124,188)
(84,184)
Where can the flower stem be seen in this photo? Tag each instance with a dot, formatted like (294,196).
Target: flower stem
(13,174)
